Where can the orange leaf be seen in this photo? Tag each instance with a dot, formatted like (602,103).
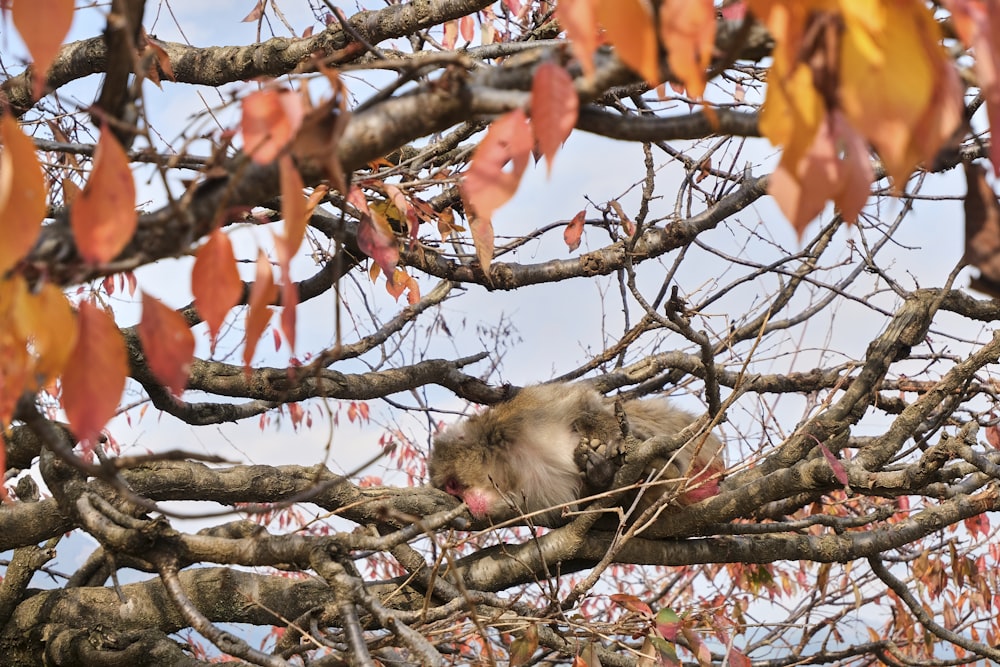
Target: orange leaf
(554,108)
(687,28)
(401,281)
(94,378)
(215,281)
(289,303)
(293,211)
(22,194)
(836,167)
(15,365)
(43,25)
(574,230)
(167,342)
(629,24)
(579,19)
(262,295)
(271,118)
(486,186)
(482,238)
(103,216)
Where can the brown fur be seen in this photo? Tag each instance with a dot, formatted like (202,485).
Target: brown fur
(521,455)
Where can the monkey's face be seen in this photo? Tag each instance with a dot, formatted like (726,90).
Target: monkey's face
(465,466)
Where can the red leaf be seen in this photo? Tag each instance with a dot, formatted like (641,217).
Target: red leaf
(43,25)
(486,186)
(632,603)
(94,378)
(262,295)
(271,117)
(215,281)
(22,194)
(554,108)
(835,464)
(167,342)
(103,216)
(574,230)
(289,303)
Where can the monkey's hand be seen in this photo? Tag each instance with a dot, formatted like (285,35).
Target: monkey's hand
(591,457)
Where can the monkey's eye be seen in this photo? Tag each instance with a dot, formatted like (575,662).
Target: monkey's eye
(453,487)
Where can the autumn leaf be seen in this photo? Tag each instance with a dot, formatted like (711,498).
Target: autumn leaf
(486,186)
(215,281)
(630,28)
(574,230)
(22,193)
(687,28)
(406,212)
(631,603)
(579,19)
(522,648)
(94,378)
(43,25)
(103,216)
(482,238)
(982,231)
(167,343)
(375,236)
(289,304)
(891,65)
(554,109)
(836,166)
(293,210)
(978,26)
(262,295)
(318,140)
(401,281)
(49,325)
(271,117)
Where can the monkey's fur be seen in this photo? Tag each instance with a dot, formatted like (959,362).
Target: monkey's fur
(523,454)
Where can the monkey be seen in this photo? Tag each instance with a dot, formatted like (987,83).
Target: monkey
(524,454)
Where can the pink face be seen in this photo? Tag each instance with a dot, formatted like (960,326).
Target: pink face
(479,501)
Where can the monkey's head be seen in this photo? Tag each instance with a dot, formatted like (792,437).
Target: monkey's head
(469,462)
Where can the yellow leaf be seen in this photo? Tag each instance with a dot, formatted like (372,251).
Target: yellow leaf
(891,65)
(792,112)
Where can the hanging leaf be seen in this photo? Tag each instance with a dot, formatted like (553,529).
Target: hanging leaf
(630,28)
(486,186)
(289,304)
(103,216)
(43,25)
(482,238)
(574,230)
(687,28)
(167,343)
(554,109)
(271,117)
(22,193)
(94,378)
(375,236)
(262,295)
(982,231)
(215,281)
(49,325)
(579,19)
